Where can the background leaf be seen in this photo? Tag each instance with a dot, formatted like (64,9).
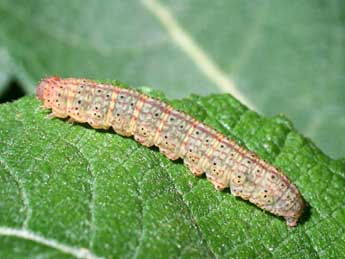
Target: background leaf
(4,70)
(72,191)
(280,56)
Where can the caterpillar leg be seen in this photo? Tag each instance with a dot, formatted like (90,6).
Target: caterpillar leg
(71,120)
(51,116)
(41,107)
(217,185)
(195,170)
(144,141)
(169,154)
(216,177)
(54,114)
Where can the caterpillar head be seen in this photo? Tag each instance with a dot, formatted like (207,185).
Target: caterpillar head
(43,90)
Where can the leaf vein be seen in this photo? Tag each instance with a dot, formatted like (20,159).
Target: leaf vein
(24,195)
(201,60)
(78,252)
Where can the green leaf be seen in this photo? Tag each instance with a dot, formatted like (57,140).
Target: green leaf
(73,191)
(281,56)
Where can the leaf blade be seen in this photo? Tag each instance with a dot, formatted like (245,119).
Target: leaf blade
(106,189)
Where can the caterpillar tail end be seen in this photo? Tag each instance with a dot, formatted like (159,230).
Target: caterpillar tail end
(295,212)
(291,221)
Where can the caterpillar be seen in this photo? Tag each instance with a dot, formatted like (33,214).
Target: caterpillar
(177,135)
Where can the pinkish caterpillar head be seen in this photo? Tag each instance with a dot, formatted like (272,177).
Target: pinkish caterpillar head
(43,90)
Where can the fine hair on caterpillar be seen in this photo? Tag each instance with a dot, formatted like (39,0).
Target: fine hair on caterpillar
(153,122)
